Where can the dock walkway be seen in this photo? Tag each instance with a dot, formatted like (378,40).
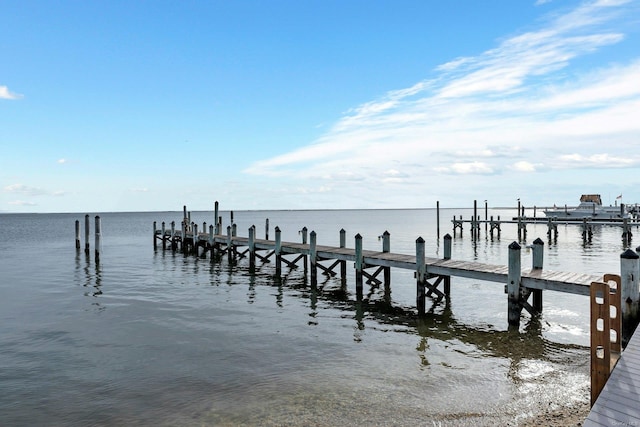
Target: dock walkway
(619,401)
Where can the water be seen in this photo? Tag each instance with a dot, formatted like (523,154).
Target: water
(155,338)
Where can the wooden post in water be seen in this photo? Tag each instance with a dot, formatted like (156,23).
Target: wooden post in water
(486,211)
(173,234)
(343,264)
(266,229)
(359,266)
(77,234)
(513,285)
(313,258)
(211,238)
(86,234)
(229,244)
(98,235)
(252,246)
(447,255)
(629,275)
(421,271)
(537,261)
(155,236)
(475,232)
(278,251)
(438,219)
(195,240)
(305,258)
(386,247)
(183,246)
(164,237)
(215,216)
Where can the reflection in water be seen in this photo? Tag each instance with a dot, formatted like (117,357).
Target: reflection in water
(90,275)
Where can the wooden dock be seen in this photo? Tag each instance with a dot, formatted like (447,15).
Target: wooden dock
(433,275)
(619,401)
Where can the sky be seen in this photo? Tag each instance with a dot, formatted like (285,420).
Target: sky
(317,104)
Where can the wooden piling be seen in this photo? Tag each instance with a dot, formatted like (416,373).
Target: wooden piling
(305,258)
(266,229)
(447,255)
(86,234)
(155,236)
(313,258)
(421,270)
(98,238)
(252,246)
(358,265)
(278,251)
(164,237)
(629,274)
(229,244)
(513,285)
(343,264)
(215,216)
(77,234)
(537,262)
(600,341)
(386,248)
(438,219)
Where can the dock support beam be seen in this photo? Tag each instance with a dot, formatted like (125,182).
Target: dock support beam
(421,273)
(629,274)
(513,285)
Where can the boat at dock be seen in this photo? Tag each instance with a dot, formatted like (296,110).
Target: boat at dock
(590,207)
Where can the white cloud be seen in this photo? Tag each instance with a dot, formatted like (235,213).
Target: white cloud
(29,191)
(62,161)
(5,93)
(22,203)
(522,106)
(25,189)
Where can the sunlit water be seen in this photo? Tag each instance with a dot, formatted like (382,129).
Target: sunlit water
(156,338)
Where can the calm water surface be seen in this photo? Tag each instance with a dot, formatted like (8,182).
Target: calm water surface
(155,338)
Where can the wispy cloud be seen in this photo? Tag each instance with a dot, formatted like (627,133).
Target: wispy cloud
(22,203)
(5,93)
(29,191)
(519,107)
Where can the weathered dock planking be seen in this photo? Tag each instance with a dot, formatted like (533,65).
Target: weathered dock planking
(618,404)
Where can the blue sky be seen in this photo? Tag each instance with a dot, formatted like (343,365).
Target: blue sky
(149,105)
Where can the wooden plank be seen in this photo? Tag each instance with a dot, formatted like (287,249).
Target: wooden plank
(618,400)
